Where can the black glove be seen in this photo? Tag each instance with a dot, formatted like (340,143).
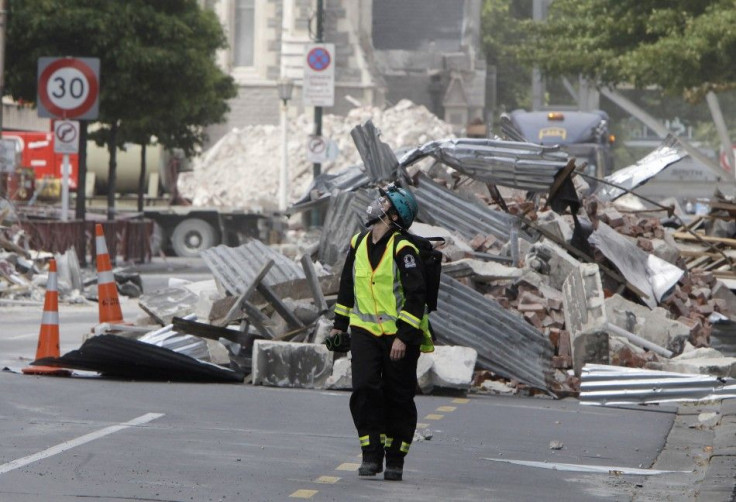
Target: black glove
(339,342)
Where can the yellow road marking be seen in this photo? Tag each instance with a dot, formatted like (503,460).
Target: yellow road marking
(330,480)
(461,400)
(303,494)
(347,466)
(447,408)
(422,426)
(434,416)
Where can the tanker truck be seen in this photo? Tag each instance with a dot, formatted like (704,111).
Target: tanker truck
(179,229)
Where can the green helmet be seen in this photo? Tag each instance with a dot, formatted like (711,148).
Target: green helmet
(404,202)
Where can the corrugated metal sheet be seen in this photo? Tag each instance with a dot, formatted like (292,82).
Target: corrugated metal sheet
(325,184)
(342,221)
(525,166)
(236,268)
(506,344)
(441,207)
(614,385)
(669,152)
(379,160)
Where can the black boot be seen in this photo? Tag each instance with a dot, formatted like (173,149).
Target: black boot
(372,463)
(394,468)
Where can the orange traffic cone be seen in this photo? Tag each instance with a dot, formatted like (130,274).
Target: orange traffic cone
(107,290)
(48,338)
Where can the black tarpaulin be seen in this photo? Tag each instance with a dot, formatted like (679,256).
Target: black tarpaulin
(120,357)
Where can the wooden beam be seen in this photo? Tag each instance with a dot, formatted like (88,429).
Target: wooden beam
(271,297)
(237,306)
(311,274)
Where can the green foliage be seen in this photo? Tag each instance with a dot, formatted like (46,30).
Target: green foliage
(158,75)
(684,47)
(502,33)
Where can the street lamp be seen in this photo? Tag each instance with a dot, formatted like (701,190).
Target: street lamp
(285,87)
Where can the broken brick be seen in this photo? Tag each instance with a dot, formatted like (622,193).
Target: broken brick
(533,319)
(645,244)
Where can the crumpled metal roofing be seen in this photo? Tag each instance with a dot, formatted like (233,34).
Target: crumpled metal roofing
(379,165)
(525,166)
(379,160)
(348,179)
(654,277)
(614,385)
(669,152)
(505,342)
(236,268)
(342,221)
(441,207)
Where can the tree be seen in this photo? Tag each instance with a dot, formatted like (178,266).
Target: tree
(685,48)
(502,29)
(158,72)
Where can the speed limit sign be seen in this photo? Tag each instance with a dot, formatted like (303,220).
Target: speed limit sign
(68,88)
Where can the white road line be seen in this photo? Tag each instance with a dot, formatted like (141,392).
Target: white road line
(587,468)
(68,445)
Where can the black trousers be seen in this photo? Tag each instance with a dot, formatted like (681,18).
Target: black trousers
(383,390)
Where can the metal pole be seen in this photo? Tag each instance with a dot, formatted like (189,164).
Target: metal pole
(82,175)
(284,173)
(65,188)
(721,129)
(538,88)
(3,26)
(317,167)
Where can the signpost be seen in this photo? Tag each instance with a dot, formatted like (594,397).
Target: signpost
(69,88)
(66,141)
(319,75)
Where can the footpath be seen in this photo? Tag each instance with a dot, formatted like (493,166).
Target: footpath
(702,442)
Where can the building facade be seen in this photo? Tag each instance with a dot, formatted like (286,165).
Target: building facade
(427,51)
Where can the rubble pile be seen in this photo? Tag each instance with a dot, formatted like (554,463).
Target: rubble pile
(542,274)
(242,168)
(24,270)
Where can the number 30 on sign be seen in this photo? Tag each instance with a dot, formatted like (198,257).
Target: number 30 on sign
(68,88)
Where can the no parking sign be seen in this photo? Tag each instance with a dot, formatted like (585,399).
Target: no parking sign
(319,75)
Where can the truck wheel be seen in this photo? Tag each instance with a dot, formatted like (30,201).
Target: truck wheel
(192,236)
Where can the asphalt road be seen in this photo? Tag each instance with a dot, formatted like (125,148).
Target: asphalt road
(88,438)
(67,439)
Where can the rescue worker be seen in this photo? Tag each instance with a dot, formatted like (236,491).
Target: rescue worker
(382,301)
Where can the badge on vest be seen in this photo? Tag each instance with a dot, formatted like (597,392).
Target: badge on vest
(409,261)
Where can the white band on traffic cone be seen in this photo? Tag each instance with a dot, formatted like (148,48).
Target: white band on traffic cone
(105,277)
(101,245)
(50,317)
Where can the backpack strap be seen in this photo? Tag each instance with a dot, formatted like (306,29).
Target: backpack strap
(357,238)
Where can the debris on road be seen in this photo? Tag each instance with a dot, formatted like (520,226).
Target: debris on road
(545,271)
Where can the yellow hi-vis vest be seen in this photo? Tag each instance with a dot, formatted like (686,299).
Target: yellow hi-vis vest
(379,295)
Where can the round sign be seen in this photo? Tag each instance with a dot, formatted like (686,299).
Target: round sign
(317,145)
(318,59)
(66,136)
(68,88)
(66,132)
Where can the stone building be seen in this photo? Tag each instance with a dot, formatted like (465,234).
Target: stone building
(427,51)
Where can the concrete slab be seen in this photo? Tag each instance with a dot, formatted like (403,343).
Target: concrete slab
(585,316)
(287,364)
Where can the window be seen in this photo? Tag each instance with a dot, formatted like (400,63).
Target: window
(244,32)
